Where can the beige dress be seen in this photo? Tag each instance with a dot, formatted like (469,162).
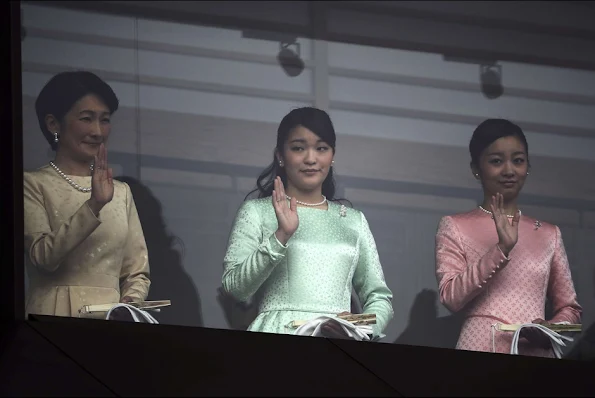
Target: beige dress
(74,258)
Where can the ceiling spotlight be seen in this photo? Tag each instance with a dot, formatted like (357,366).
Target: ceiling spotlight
(490,74)
(491,80)
(289,59)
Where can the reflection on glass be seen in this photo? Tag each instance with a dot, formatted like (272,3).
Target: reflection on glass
(199,106)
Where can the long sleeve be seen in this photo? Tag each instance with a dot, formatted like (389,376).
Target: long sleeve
(48,248)
(561,288)
(134,277)
(458,281)
(369,283)
(251,256)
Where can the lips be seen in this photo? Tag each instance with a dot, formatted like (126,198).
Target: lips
(310,173)
(508,183)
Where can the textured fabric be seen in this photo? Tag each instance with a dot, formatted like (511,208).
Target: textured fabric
(474,276)
(74,258)
(313,274)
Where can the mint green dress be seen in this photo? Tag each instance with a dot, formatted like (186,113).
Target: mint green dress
(331,251)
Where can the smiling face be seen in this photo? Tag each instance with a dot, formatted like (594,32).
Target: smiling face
(503,167)
(306,160)
(84,127)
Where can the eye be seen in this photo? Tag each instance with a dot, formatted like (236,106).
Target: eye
(86,119)
(495,161)
(323,148)
(296,148)
(106,121)
(519,160)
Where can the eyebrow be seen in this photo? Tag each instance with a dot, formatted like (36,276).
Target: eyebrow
(93,112)
(302,140)
(500,153)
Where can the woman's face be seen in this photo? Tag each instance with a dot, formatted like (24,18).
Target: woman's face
(306,159)
(503,167)
(84,127)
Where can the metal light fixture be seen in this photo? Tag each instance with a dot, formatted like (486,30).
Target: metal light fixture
(490,74)
(289,49)
(491,80)
(290,60)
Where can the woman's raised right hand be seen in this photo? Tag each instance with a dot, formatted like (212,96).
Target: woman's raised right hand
(287,217)
(102,182)
(508,233)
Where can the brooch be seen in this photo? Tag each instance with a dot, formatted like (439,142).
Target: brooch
(343,211)
(537,224)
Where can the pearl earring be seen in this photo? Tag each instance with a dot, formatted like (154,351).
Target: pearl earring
(527,173)
(56,137)
(280,163)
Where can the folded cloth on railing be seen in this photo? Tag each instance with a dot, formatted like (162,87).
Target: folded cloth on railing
(136,314)
(556,339)
(314,328)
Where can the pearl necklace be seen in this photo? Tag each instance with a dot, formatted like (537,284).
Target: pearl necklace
(309,204)
(69,180)
(490,213)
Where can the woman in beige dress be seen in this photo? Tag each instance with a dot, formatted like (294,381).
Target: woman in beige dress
(83,239)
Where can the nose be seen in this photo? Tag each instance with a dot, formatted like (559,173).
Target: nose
(508,169)
(96,131)
(310,158)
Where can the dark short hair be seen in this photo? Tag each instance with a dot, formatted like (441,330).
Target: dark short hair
(63,90)
(491,130)
(317,121)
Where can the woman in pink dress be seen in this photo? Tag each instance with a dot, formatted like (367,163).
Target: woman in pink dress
(497,264)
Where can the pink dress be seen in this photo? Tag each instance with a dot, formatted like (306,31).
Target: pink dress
(474,276)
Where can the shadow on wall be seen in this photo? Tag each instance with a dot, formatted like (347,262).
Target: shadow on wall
(169,281)
(238,315)
(425,328)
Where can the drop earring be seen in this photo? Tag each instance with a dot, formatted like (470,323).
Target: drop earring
(56,137)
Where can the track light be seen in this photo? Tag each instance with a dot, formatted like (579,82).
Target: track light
(491,80)
(490,74)
(289,49)
(289,59)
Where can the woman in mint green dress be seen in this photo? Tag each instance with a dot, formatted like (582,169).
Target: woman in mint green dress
(296,249)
